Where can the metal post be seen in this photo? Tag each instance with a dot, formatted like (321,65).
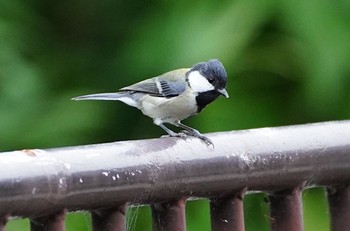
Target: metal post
(169,216)
(110,219)
(54,222)
(339,207)
(286,210)
(227,213)
(3,221)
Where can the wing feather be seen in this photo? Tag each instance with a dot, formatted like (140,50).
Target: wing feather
(170,84)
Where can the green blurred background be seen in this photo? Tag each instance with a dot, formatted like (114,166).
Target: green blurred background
(287,62)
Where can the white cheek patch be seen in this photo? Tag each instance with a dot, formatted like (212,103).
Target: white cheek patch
(199,83)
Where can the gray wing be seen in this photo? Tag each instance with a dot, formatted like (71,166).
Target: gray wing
(170,84)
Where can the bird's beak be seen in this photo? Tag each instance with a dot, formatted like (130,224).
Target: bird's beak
(223,92)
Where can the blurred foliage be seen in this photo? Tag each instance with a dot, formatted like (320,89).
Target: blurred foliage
(287,61)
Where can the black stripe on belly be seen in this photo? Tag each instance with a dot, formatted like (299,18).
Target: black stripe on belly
(205,98)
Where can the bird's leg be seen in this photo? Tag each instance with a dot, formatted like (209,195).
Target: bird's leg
(193,132)
(171,133)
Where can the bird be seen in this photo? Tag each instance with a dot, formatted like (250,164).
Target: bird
(174,96)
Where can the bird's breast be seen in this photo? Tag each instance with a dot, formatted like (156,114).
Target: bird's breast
(169,109)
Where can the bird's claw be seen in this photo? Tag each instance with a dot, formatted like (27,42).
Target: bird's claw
(196,134)
(207,141)
(187,135)
(180,134)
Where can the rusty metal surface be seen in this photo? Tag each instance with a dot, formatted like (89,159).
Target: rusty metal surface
(38,182)
(169,216)
(112,219)
(53,222)
(227,214)
(339,207)
(286,211)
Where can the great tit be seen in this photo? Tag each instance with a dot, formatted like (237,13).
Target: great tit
(174,96)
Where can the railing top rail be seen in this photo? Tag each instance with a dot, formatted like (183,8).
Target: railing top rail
(37,182)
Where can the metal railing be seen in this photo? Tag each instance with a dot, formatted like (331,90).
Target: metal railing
(105,178)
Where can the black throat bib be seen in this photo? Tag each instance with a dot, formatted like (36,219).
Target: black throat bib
(205,98)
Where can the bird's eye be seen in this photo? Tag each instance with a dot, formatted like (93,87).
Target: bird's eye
(210,80)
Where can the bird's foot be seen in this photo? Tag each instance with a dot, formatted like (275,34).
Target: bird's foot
(196,134)
(188,134)
(174,134)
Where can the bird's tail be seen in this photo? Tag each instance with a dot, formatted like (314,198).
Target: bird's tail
(103,96)
(126,97)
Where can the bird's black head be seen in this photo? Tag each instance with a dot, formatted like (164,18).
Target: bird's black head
(214,72)
(208,81)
